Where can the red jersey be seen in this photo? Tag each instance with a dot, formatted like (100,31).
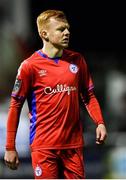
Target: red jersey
(52,87)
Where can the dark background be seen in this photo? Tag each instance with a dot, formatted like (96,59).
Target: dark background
(95,25)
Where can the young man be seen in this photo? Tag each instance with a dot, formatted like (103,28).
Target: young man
(51,80)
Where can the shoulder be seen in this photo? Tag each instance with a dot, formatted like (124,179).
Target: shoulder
(73,54)
(25,65)
(28,62)
(32,58)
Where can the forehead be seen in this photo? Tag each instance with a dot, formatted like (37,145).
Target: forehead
(58,22)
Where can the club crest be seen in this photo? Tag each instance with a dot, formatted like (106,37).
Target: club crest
(73,68)
(38,171)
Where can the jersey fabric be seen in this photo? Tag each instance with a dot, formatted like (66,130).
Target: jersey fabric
(52,87)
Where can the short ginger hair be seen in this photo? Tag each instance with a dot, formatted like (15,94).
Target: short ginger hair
(45,16)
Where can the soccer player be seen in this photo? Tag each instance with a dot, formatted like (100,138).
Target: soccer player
(52,79)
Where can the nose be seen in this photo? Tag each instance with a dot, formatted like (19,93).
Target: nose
(67,32)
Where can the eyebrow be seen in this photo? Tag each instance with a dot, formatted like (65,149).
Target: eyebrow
(63,26)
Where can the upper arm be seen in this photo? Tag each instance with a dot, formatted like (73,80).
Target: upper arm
(86,83)
(22,82)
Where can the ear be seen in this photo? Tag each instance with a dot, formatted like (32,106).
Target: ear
(44,35)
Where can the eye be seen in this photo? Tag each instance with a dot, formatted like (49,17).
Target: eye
(61,29)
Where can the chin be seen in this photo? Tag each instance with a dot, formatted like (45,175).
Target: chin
(65,46)
(62,46)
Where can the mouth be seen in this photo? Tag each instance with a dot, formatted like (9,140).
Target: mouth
(66,40)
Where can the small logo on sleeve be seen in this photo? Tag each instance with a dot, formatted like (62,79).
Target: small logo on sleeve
(73,68)
(17,86)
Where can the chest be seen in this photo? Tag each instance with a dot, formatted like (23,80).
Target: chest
(50,73)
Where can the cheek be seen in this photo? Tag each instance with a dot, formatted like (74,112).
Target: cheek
(55,38)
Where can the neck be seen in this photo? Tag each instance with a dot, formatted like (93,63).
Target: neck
(51,51)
